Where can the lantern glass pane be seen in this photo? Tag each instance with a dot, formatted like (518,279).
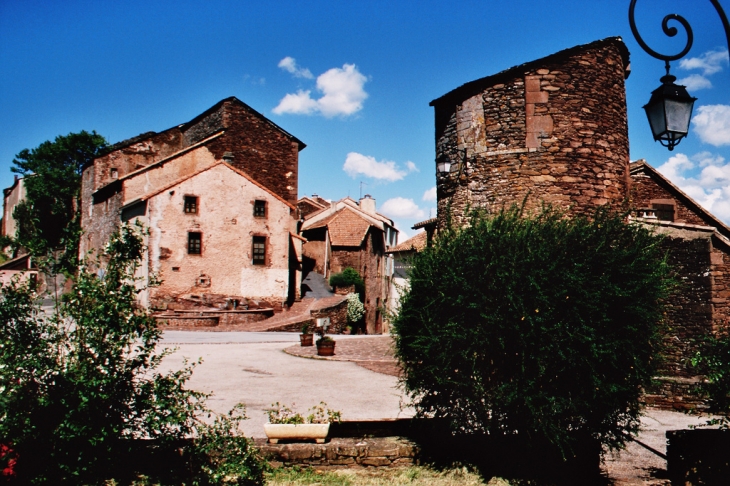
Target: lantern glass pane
(655,113)
(678,115)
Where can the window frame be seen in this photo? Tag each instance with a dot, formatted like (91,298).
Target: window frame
(192,246)
(257,257)
(260,204)
(196,204)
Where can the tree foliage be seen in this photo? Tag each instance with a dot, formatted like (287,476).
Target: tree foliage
(713,361)
(348,277)
(540,324)
(81,386)
(48,219)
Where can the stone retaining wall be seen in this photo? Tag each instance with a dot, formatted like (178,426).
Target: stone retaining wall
(342,453)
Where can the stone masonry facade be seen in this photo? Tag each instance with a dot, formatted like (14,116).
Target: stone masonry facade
(555,131)
(552,130)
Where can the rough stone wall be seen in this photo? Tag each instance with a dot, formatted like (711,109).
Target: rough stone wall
(553,130)
(645,191)
(720,272)
(100,215)
(690,312)
(369,261)
(12,197)
(135,154)
(260,149)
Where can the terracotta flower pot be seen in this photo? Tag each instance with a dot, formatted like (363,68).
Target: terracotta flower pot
(306,339)
(326,348)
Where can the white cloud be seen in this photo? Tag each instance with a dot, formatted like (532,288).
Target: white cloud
(290,64)
(430,195)
(710,62)
(712,124)
(356,164)
(695,82)
(342,94)
(402,208)
(297,104)
(710,187)
(411,167)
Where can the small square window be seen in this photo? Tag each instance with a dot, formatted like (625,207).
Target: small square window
(191,204)
(259,250)
(114,173)
(195,243)
(664,212)
(259,209)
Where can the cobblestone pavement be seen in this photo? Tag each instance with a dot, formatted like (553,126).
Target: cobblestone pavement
(374,353)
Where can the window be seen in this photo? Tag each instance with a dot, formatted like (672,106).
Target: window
(259,209)
(664,212)
(195,241)
(114,173)
(191,204)
(259,250)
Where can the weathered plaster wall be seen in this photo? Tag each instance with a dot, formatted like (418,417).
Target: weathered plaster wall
(12,196)
(135,154)
(163,175)
(225,219)
(553,130)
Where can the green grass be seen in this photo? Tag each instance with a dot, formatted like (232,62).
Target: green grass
(411,476)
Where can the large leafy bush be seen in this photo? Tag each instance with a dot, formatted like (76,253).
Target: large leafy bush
(81,386)
(539,325)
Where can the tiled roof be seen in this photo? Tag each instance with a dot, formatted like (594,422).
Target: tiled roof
(423,224)
(347,228)
(416,243)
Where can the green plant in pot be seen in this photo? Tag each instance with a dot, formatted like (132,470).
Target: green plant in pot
(325,344)
(306,338)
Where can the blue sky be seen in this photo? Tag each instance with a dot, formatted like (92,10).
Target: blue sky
(351,79)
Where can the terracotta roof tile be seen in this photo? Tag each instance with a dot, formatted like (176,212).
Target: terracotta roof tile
(416,243)
(347,228)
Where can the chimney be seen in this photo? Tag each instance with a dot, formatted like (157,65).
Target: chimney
(367,204)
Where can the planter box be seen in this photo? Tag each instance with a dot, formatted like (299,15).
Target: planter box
(306,339)
(276,432)
(326,348)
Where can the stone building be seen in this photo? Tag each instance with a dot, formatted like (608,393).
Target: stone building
(699,250)
(218,196)
(555,130)
(552,130)
(353,234)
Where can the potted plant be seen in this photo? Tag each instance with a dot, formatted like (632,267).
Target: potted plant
(325,344)
(284,423)
(306,338)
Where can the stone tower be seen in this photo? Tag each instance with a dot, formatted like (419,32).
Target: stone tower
(552,130)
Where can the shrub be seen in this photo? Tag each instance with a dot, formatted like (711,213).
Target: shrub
(347,277)
(540,325)
(713,361)
(81,387)
(355,310)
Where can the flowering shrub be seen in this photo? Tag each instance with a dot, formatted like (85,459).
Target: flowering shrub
(355,309)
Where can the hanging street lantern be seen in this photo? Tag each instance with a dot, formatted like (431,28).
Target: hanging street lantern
(670,108)
(669,111)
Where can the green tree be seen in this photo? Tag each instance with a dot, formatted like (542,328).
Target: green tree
(540,325)
(82,386)
(49,217)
